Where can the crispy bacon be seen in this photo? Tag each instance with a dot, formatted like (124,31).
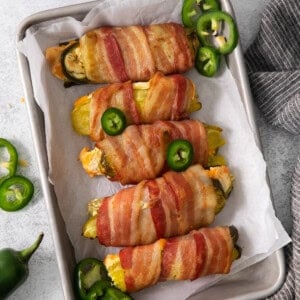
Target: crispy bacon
(167,206)
(203,252)
(167,98)
(117,54)
(169,47)
(136,52)
(143,148)
(101,56)
(138,60)
(132,259)
(118,95)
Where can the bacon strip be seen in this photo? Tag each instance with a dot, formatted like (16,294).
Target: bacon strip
(101,56)
(142,262)
(137,56)
(117,54)
(203,252)
(118,95)
(169,45)
(115,58)
(168,98)
(167,206)
(143,148)
(135,52)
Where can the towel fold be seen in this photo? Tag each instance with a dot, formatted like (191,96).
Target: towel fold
(273,63)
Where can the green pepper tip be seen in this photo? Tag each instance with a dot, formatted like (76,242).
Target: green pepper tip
(27,253)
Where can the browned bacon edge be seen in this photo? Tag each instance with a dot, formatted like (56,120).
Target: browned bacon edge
(143,148)
(167,206)
(203,252)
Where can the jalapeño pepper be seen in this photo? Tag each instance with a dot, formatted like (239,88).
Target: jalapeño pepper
(211,28)
(72,65)
(14,267)
(92,282)
(192,9)
(113,121)
(113,293)
(180,155)
(91,279)
(11,164)
(98,289)
(207,61)
(15,193)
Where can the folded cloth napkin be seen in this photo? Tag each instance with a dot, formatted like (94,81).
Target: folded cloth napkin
(273,63)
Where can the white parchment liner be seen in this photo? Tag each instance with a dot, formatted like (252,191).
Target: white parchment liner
(249,207)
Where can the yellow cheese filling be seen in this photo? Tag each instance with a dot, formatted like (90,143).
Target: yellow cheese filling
(115,271)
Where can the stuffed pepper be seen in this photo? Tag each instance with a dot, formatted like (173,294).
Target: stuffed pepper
(203,252)
(158,208)
(119,54)
(142,151)
(170,97)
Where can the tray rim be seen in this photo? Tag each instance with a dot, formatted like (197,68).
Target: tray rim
(61,240)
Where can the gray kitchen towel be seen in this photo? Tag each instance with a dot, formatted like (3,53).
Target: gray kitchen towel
(273,63)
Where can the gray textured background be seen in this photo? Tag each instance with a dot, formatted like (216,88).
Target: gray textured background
(20,229)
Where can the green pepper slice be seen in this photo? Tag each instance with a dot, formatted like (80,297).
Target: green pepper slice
(207,61)
(72,65)
(11,164)
(180,155)
(113,121)
(211,29)
(97,290)
(192,9)
(113,293)
(91,279)
(15,193)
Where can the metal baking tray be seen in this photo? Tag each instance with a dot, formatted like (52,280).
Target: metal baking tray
(258,281)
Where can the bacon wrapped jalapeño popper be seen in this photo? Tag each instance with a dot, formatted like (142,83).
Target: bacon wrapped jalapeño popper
(203,252)
(170,97)
(171,205)
(140,152)
(119,54)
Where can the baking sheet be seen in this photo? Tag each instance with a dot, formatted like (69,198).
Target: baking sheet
(215,109)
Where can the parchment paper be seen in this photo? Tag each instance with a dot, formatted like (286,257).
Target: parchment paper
(249,207)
